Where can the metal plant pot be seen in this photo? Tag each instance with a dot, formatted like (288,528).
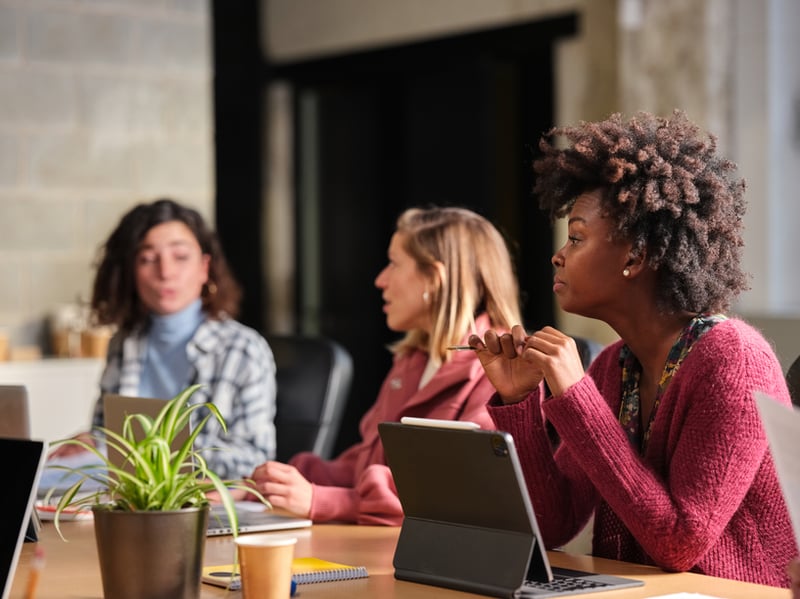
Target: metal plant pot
(151,555)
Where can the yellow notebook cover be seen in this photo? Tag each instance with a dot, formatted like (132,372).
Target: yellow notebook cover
(304,570)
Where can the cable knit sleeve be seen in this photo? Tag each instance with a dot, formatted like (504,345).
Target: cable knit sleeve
(706,445)
(562,496)
(703,496)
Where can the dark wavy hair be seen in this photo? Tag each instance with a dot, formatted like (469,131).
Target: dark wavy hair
(114,297)
(668,192)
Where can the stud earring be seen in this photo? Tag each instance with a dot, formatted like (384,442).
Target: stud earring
(426,297)
(626,272)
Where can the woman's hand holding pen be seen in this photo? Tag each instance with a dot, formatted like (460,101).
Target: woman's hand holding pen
(515,363)
(506,363)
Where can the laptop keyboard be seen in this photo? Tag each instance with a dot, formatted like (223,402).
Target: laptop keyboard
(565,584)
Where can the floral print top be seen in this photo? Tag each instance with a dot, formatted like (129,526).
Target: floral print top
(629,412)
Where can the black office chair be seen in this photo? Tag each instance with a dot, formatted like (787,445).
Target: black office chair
(314,376)
(793,381)
(588,350)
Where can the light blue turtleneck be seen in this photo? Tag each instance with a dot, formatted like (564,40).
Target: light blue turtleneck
(166,368)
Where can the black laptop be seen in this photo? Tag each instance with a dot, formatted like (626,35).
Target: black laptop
(15,424)
(469,524)
(21,471)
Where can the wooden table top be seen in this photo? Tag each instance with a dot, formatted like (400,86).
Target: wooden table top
(72,570)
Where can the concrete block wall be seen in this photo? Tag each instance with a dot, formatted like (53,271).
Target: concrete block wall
(103,104)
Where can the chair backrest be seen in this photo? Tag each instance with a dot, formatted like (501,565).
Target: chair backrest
(14,413)
(313,376)
(793,381)
(588,349)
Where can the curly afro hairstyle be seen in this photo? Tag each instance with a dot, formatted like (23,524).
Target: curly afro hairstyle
(667,191)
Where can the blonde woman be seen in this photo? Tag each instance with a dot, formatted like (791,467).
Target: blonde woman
(449,275)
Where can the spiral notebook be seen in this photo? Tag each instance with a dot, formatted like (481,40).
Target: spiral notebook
(305,570)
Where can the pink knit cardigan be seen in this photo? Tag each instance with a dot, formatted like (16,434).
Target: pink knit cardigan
(704,497)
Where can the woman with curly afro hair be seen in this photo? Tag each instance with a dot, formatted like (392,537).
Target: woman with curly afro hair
(661,439)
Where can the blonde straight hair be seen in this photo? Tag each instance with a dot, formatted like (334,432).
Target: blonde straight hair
(468,260)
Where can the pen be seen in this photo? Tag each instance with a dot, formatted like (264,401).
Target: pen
(460,347)
(36,568)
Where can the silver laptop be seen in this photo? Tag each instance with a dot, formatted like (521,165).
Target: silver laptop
(469,524)
(252,518)
(21,475)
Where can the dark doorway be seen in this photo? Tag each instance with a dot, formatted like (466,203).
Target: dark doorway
(454,121)
(238,130)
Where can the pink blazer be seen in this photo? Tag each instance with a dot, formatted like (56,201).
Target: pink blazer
(357,486)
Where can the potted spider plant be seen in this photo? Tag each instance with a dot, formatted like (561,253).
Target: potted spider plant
(151,512)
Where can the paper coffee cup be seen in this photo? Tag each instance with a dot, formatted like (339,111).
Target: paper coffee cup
(265,564)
